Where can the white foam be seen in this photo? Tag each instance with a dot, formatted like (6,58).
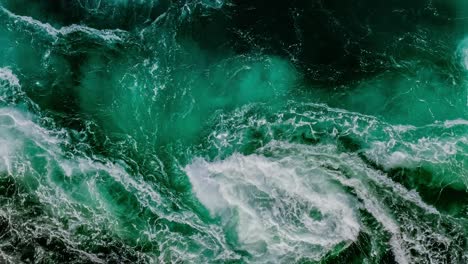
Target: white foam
(107,35)
(462,53)
(456,122)
(10,89)
(271,203)
(413,154)
(7,75)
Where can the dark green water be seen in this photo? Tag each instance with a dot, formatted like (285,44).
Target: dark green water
(217,131)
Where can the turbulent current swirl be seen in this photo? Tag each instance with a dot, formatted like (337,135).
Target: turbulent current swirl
(219,131)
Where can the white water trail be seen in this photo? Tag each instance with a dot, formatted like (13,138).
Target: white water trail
(45,29)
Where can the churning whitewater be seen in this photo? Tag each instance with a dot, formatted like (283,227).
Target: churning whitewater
(222,131)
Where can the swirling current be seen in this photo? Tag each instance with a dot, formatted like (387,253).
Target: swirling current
(233,131)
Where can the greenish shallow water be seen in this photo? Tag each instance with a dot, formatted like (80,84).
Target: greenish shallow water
(210,131)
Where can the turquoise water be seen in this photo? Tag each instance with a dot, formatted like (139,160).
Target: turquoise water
(233,131)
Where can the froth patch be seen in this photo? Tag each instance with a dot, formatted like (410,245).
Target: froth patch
(280,207)
(7,75)
(462,53)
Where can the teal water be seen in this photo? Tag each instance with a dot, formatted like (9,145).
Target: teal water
(217,131)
